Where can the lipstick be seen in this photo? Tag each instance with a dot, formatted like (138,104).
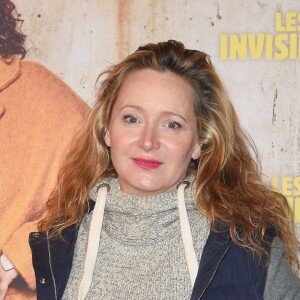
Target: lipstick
(147,164)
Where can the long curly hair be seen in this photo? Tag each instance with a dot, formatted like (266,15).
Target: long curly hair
(229,186)
(11,37)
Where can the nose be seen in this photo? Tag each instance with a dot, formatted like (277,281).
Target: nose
(149,139)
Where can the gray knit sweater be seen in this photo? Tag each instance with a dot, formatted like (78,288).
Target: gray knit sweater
(141,253)
(281,283)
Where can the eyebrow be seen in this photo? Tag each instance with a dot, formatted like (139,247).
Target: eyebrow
(163,113)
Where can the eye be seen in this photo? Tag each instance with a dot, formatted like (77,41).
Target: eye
(130,119)
(174,125)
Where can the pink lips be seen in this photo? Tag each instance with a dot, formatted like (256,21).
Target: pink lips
(147,164)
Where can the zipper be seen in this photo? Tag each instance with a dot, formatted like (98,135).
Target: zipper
(50,265)
(215,271)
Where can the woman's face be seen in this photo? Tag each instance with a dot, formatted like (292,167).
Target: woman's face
(153,132)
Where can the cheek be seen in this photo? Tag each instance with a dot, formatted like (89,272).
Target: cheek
(119,145)
(181,152)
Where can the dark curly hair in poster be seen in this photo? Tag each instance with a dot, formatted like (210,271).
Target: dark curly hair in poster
(11,38)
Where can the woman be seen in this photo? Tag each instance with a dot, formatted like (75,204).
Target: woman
(181,211)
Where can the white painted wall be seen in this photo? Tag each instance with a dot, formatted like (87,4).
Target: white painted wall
(77,39)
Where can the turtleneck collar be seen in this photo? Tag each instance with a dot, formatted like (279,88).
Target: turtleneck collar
(141,220)
(10,70)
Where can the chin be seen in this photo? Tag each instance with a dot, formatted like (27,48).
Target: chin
(147,188)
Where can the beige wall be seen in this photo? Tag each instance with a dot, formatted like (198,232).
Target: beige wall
(77,39)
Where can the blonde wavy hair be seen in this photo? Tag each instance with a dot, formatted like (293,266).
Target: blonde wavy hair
(228,180)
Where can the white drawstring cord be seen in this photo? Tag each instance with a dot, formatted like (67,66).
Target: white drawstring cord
(93,242)
(94,239)
(186,234)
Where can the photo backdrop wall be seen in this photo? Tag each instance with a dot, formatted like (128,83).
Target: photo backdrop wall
(254,45)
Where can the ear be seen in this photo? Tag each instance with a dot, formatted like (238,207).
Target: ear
(197,151)
(107,138)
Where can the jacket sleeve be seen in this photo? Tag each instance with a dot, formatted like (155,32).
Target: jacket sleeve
(282,283)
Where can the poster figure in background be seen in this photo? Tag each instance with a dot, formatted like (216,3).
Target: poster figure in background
(160,197)
(39,115)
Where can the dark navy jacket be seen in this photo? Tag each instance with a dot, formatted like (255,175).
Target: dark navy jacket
(226,270)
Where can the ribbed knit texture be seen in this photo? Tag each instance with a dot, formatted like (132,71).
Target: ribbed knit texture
(141,253)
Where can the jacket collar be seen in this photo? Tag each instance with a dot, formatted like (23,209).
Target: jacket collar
(10,70)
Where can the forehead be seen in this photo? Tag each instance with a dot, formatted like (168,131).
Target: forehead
(150,88)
